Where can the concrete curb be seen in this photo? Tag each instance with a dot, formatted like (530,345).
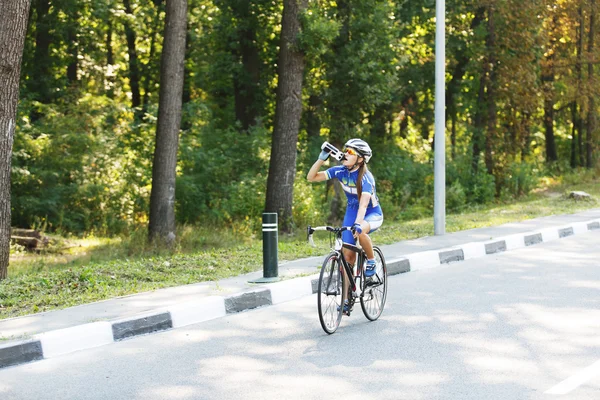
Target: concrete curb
(63,341)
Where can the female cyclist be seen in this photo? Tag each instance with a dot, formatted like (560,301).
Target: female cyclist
(363,212)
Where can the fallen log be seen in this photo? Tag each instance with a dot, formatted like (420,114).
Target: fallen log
(579,195)
(30,243)
(19,232)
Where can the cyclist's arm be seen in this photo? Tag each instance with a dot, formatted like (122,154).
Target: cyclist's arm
(314,175)
(365,198)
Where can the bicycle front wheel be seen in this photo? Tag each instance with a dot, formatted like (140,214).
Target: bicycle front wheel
(330,293)
(374,293)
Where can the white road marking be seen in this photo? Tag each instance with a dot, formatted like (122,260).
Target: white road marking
(576,380)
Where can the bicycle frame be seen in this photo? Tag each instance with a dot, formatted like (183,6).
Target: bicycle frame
(337,248)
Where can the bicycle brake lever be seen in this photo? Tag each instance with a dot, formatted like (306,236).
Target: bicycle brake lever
(309,233)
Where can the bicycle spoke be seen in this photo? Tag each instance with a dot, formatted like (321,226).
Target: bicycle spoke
(330,294)
(374,295)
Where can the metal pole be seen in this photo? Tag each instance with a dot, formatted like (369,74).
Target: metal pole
(439,200)
(270,263)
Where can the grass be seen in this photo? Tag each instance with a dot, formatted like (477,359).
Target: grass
(80,271)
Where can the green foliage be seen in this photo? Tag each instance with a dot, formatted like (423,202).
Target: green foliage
(401,181)
(70,174)
(482,187)
(521,179)
(222,176)
(318,31)
(456,197)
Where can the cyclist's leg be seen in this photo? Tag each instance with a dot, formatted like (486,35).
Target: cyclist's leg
(346,281)
(347,236)
(371,223)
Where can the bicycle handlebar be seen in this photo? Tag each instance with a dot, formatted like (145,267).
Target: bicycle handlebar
(337,230)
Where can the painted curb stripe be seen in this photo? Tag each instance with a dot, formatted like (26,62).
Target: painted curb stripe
(495,247)
(140,326)
(533,239)
(248,301)
(21,353)
(451,255)
(399,266)
(565,232)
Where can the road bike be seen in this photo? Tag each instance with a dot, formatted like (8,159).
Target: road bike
(337,274)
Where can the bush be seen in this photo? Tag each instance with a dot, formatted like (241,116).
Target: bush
(456,198)
(223,176)
(401,180)
(81,167)
(521,179)
(482,188)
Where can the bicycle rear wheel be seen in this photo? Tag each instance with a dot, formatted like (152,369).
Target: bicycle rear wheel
(330,293)
(374,293)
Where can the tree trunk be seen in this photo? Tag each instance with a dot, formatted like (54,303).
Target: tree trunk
(162,197)
(547,78)
(591,116)
(72,45)
(579,75)
(110,61)
(548,83)
(288,111)
(526,149)
(39,82)
(491,94)
(134,67)
(479,121)
(188,79)
(12,39)
(453,135)
(149,66)
(574,134)
(247,79)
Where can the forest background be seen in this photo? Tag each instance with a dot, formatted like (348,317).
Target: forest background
(521,101)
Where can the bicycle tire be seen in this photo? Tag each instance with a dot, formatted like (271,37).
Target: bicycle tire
(330,295)
(374,295)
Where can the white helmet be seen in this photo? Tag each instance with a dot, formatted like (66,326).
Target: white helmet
(362,147)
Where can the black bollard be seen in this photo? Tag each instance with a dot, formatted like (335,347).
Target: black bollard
(270,255)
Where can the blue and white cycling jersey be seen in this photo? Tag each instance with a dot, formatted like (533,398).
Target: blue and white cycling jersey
(348,180)
(374,214)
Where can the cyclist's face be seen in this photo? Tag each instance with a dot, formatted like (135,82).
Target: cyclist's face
(350,157)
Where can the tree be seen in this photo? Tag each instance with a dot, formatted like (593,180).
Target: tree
(548,78)
(134,67)
(288,111)
(247,77)
(591,115)
(12,38)
(162,197)
(41,80)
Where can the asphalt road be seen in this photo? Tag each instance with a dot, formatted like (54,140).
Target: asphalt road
(518,325)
